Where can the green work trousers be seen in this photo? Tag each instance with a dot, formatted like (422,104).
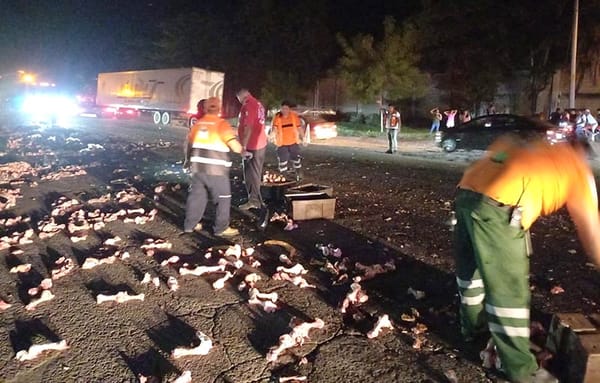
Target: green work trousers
(492,271)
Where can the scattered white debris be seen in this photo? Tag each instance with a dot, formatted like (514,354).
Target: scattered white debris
(383,322)
(296,337)
(202,349)
(220,283)
(418,294)
(356,296)
(37,349)
(120,297)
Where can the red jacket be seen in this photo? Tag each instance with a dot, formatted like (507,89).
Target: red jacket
(252,117)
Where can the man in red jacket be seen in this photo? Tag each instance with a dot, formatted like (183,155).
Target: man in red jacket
(252,136)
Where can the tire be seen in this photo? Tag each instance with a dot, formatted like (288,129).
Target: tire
(449,145)
(156,117)
(165,119)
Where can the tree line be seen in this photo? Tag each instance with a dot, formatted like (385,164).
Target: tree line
(279,49)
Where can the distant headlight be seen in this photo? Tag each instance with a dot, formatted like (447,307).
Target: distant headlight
(60,106)
(556,135)
(325,131)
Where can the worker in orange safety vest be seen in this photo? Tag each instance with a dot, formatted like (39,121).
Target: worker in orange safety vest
(287,133)
(498,199)
(207,149)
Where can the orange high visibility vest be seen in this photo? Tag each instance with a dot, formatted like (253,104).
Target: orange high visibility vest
(286,129)
(208,139)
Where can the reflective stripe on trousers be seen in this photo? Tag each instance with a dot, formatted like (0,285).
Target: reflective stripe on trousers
(492,268)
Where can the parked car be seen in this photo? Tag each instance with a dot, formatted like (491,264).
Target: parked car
(480,132)
(320,123)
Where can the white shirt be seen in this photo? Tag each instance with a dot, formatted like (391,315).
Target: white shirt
(388,120)
(587,119)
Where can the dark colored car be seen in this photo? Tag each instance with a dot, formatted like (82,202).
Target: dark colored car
(480,132)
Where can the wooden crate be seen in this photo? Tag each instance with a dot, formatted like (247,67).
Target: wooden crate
(574,339)
(312,207)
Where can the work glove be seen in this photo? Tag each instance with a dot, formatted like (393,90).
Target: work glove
(246,155)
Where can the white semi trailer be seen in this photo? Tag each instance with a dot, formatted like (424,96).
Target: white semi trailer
(167,94)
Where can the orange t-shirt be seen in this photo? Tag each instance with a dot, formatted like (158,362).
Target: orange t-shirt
(539,177)
(286,129)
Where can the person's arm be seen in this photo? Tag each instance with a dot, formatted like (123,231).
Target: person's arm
(588,226)
(249,121)
(243,127)
(245,137)
(187,147)
(583,209)
(228,136)
(234,145)
(299,127)
(274,129)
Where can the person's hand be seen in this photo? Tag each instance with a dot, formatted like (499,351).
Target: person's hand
(246,155)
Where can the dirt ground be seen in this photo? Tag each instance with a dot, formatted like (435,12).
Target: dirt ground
(390,209)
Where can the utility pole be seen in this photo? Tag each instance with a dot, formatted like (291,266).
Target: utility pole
(574,54)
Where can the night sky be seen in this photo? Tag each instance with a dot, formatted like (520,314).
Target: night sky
(73,40)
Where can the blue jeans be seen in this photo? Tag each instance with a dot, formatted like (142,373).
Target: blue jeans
(435,126)
(392,135)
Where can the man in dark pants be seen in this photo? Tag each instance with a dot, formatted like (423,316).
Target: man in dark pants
(207,155)
(287,133)
(252,136)
(498,199)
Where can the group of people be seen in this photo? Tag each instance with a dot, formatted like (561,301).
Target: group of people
(585,122)
(497,200)
(451,116)
(393,122)
(207,156)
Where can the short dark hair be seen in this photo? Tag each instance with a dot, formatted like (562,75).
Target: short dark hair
(287,103)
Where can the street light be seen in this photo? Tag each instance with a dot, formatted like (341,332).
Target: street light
(27,78)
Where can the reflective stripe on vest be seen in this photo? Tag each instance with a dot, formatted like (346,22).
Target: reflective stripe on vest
(210,161)
(208,147)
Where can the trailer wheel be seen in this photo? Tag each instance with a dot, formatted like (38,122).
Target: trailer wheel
(166,118)
(156,117)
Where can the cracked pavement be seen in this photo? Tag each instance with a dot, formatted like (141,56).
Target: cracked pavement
(118,342)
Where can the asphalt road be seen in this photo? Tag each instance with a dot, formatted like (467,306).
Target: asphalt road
(390,209)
